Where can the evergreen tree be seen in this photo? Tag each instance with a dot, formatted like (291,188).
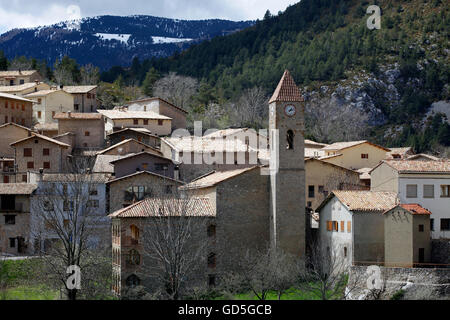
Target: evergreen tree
(150,78)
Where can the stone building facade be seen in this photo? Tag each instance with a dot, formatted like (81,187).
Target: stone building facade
(16,110)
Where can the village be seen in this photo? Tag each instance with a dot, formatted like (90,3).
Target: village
(64,161)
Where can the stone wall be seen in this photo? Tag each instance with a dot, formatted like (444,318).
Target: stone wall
(440,251)
(405,283)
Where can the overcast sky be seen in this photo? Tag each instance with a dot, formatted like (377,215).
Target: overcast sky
(26,13)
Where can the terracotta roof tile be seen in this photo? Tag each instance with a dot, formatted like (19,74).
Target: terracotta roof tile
(415,208)
(78,116)
(155,207)
(78,89)
(412,166)
(17,73)
(116,114)
(215,177)
(367,200)
(39,136)
(287,90)
(13,97)
(17,188)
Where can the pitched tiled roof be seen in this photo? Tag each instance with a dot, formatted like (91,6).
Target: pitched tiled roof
(205,145)
(13,97)
(103,163)
(423,155)
(157,207)
(139,154)
(154,150)
(157,98)
(46,126)
(18,88)
(97,177)
(364,200)
(78,116)
(39,136)
(415,208)
(400,151)
(42,93)
(117,114)
(17,188)
(14,124)
(349,144)
(287,90)
(216,177)
(417,166)
(314,143)
(138,130)
(78,89)
(145,172)
(17,73)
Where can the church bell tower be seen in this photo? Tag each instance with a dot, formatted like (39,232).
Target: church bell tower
(287,167)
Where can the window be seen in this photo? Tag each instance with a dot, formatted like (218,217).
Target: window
(134,234)
(9,219)
(93,191)
(445,224)
(146,122)
(23,107)
(411,191)
(290,140)
(24,178)
(46,152)
(135,121)
(211,280)
(309,204)
(144,166)
(39,114)
(92,204)
(134,258)
(27,152)
(445,191)
(364,156)
(212,260)
(428,191)
(76,107)
(53,114)
(421,228)
(211,230)
(335,226)
(30,165)
(310,191)
(329,225)
(21,81)
(321,189)
(46,165)
(132,281)
(432,224)
(12,242)
(87,133)
(160,166)
(39,101)
(68,206)
(342,226)
(137,193)
(349,226)
(48,206)
(160,122)
(345,252)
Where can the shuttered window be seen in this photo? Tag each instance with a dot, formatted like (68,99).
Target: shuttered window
(342,226)
(329,226)
(349,226)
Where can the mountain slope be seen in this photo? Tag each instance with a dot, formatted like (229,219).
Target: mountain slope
(106,41)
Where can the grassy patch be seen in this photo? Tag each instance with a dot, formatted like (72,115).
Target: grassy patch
(291,294)
(29,293)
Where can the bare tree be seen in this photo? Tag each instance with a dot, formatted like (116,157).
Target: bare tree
(175,243)
(330,122)
(252,108)
(90,75)
(69,230)
(63,76)
(325,273)
(261,272)
(178,90)
(20,63)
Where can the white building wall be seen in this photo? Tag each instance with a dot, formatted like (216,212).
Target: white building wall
(334,210)
(439,207)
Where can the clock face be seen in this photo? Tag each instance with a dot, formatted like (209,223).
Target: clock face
(289,110)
